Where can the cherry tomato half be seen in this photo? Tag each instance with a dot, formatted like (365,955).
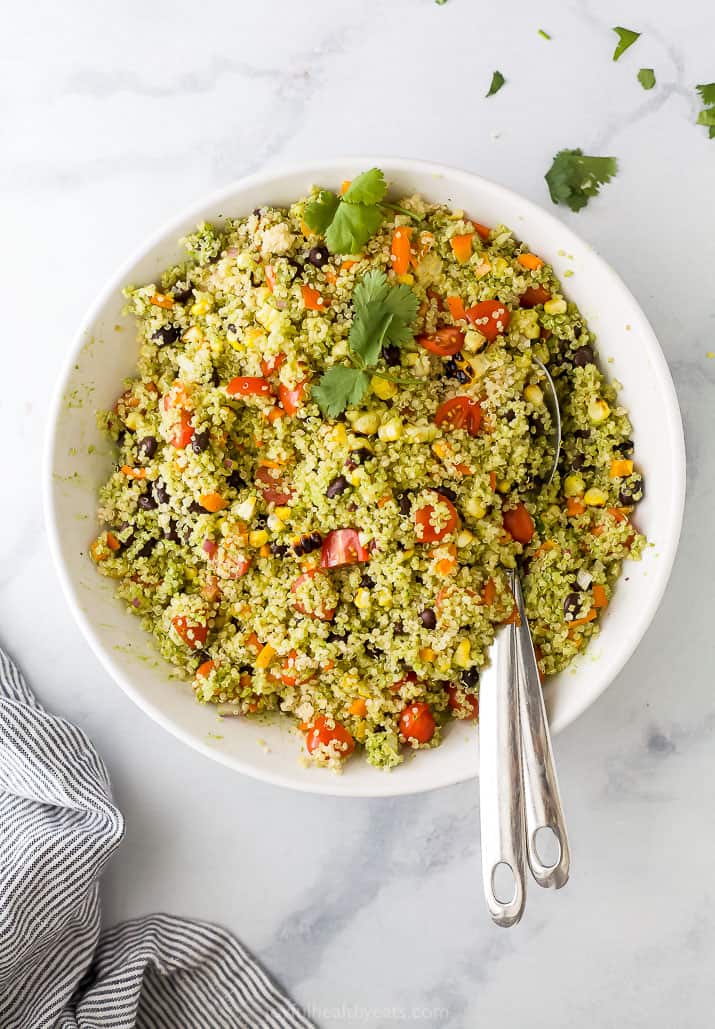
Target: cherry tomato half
(490,317)
(519,523)
(291,398)
(466,706)
(321,734)
(342,547)
(274,490)
(460,413)
(184,431)
(192,633)
(417,722)
(324,614)
(425,530)
(533,296)
(271,365)
(249,386)
(445,341)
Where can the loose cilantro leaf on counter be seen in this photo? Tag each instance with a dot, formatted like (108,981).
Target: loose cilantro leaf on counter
(707,92)
(498,81)
(574,177)
(626,38)
(707,115)
(339,387)
(544,34)
(646,77)
(383,317)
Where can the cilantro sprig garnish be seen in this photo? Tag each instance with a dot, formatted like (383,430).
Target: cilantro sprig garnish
(383,317)
(574,177)
(626,38)
(497,82)
(707,115)
(348,221)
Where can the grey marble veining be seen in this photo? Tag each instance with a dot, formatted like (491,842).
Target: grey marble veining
(112,118)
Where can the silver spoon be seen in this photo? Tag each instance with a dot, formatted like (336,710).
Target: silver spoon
(519,793)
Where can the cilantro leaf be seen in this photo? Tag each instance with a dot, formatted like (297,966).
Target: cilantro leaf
(368,188)
(498,81)
(368,332)
(402,303)
(646,77)
(319,211)
(707,92)
(339,387)
(374,295)
(626,38)
(373,286)
(352,227)
(707,116)
(575,177)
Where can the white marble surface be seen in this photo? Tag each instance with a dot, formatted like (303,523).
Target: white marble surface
(115,116)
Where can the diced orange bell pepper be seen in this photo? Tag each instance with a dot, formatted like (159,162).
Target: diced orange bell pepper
(312,299)
(400,250)
(530,261)
(462,246)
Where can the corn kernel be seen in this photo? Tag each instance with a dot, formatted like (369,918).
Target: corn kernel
(421,433)
(574,486)
(475,508)
(282,512)
(366,422)
(190,573)
(360,730)
(202,306)
(384,597)
(245,510)
(362,599)
(594,497)
(132,421)
(503,486)
(464,538)
(265,656)
(338,435)
(474,341)
(356,477)
(483,268)
(461,654)
(391,430)
(500,267)
(556,305)
(441,449)
(427,654)
(598,411)
(363,690)
(253,335)
(407,279)
(383,388)
(257,538)
(534,395)
(359,443)
(275,524)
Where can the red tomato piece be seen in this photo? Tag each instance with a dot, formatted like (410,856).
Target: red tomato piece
(519,524)
(533,296)
(466,707)
(417,722)
(274,490)
(183,433)
(192,633)
(425,530)
(323,614)
(444,342)
(490,317)
(342,547)
(271,365)
(460,413)
(407,677)
(322,734)
(291,398)
(249,386)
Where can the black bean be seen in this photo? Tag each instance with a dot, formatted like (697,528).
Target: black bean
(509,415)
(584,356)
(196,508)
(316,540)
(236,480)
(469,678)
(450,368)
(336,487)
(147,447)
(625,448)
(186,533)
(372,651)
(147,501)
(578,461)
(261,521)
(147,549)
(318,256)
(572,606)
(391,354)
(182,295)
(166,334)
(231,328)
(257,211)
(307,544)
(462,376)
(631,491)
(335,637)
(398,629)
(171,534)
(200,441)
(278,549)
(362,455)
(447,492)
(215,377)
(367,581)
(582,434)
(577,331)
(161,492)
(428,618)
(405,503)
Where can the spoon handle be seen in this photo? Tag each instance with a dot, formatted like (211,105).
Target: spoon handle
(542,800)
(501,803)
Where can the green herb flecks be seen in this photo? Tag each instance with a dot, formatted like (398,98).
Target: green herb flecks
(497,82)
(646,77)
(383,317)
(574,177)
(544,34)
(707,115)
(626,38)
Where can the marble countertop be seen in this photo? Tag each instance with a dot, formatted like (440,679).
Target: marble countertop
(370,912)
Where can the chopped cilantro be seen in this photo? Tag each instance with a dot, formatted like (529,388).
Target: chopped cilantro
(383,316)
(707,115)
(498,81)
(626,38)
(575,177)
(544,34)
(646,77)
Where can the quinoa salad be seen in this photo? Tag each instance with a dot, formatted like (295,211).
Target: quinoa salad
(336,445)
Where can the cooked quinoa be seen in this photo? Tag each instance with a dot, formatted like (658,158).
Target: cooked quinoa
(351,571)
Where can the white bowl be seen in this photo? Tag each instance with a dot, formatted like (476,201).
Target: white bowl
(79,459)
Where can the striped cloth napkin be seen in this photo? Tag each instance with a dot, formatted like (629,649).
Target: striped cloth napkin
(58,828)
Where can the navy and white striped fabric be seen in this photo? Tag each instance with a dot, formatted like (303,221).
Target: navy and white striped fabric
(58,828)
